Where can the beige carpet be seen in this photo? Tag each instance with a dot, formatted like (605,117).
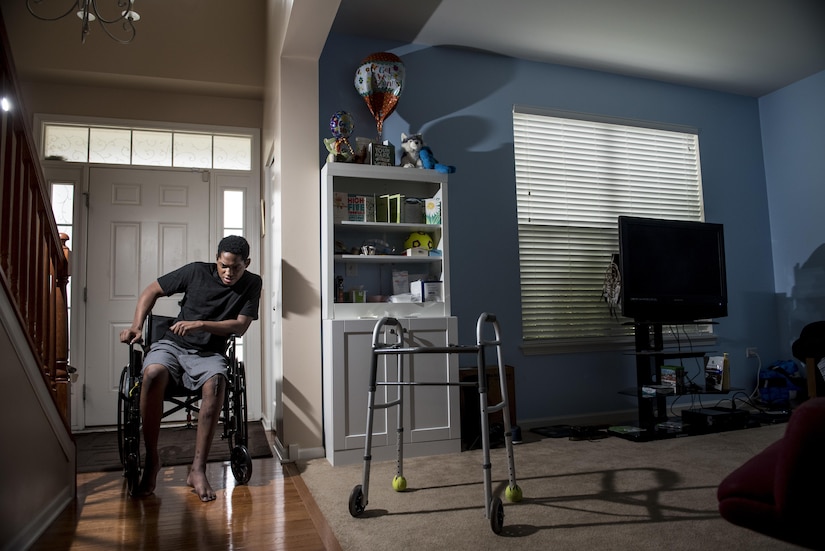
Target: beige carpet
(592,495)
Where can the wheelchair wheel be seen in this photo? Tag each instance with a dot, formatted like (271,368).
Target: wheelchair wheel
(128,429)
(239,411)
(240,458)
(241,463)
(121,414)
(131,472)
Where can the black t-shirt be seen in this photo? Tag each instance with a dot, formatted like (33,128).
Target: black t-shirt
(206,298)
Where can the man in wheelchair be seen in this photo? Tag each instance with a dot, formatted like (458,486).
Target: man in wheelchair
(219,300)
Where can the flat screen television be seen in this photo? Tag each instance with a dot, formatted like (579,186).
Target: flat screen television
(672,271)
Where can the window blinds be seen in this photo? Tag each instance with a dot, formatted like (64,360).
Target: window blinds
(574,178)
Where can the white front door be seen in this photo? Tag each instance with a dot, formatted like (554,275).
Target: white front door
(142,224)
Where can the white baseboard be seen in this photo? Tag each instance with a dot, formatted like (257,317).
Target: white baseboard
(29,535)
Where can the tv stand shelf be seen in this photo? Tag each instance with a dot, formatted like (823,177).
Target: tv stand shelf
(670,354)
(696,391)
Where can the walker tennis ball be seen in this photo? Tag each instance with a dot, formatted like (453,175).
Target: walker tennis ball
(513,493)
(399,483)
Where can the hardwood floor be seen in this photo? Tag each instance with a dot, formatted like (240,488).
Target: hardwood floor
(274,511)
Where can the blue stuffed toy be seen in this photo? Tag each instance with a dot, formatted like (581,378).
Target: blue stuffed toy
(418,155)
(429,161)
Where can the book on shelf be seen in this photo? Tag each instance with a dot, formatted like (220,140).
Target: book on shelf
(654,390)
(361,208)
(673,376)
(340,206)
(714,369)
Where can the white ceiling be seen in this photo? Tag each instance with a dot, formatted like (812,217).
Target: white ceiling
(750,47)
(181,46)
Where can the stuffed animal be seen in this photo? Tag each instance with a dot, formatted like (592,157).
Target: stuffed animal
(339,150)
(429,161)
(418,155)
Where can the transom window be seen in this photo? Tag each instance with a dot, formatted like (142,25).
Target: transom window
(146,147)
(574,176)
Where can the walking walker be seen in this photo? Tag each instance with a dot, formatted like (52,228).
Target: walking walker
(383,344)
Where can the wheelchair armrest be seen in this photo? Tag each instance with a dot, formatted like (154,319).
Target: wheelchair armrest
(231,343)
(136,353)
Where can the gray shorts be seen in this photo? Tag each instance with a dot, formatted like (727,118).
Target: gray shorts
(188,368)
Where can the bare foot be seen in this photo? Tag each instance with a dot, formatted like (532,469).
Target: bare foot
(146,487)
(197,480)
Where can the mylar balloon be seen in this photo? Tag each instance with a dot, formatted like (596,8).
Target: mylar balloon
(341,124)
(379,80)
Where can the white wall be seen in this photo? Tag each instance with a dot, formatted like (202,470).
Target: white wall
(37,466)
(296,36)
(793,138)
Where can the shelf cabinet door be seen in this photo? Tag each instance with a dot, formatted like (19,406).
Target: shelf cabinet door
(433,410)
(347,360)
(430,413)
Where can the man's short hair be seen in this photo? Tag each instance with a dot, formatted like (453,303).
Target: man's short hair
(234,244)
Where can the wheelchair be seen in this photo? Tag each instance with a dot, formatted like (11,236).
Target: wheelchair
(233,413)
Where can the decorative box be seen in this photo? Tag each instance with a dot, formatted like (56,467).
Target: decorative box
(389,208)
(427,291)
(432,209)
(413,211)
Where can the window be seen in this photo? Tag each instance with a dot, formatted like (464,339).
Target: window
(233,212)
(146,147)
(234,205)
(62,196)
(574,177)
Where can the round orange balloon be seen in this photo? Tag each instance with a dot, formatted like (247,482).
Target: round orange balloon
(379,81)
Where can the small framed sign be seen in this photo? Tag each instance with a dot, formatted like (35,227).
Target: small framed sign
(382,154)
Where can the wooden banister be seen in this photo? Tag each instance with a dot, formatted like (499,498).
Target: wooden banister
(34,265)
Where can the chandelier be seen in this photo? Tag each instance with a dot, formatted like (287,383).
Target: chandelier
(120,15)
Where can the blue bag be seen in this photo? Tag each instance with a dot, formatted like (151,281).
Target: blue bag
(778,381)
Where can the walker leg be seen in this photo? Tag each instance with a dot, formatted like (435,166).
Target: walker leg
(359,497)
(513,492)
(368,443)
(486,466)
(494,508)
(399,483)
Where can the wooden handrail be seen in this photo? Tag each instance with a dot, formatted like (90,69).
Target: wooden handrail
(34,266)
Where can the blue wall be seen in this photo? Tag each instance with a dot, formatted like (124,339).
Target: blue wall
(462,101)
(793,134)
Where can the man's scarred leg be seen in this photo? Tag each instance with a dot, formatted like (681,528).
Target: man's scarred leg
(155,379)
(211,404)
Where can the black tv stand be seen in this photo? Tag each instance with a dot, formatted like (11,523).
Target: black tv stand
(653,422)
